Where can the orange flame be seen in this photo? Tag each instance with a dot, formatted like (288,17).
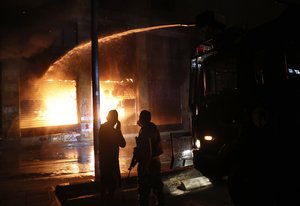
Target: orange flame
(109,99)
(61,107)
(56,104)
(59,102)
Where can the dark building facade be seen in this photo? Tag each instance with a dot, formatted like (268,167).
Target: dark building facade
(48,92)
(139,70)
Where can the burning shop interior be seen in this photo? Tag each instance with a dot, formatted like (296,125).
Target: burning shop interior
(137,71)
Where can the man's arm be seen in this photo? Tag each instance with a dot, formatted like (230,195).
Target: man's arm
(134,159)
(122,141)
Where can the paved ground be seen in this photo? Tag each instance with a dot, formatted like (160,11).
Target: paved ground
(45,158)
(30,174)
(40,191)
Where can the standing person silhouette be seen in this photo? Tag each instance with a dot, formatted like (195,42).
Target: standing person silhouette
(110,139)
(149,166)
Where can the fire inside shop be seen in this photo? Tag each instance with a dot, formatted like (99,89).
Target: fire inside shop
(61,99)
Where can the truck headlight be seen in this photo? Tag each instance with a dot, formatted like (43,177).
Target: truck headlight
(198,144)
(208,138)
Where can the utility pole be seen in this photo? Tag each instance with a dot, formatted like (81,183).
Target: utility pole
(96,87)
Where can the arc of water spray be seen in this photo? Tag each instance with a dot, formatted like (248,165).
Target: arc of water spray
(115,36)
(132,31)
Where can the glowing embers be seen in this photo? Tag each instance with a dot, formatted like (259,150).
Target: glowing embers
(52,103)
(119,95)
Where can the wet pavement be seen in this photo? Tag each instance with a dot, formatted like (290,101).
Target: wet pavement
(64,158)
(29,172)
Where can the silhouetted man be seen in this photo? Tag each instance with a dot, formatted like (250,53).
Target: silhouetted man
(110,139)
(149,166)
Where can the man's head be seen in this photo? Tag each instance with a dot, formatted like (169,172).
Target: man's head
(145,117)
(112,116)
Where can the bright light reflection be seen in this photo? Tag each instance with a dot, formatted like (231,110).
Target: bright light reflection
(187,153)
(198,144)
(208,137)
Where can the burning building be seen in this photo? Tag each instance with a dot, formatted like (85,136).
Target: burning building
(138,70)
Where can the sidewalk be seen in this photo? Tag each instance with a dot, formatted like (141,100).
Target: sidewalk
(41,192)
(87,194)
(29,178)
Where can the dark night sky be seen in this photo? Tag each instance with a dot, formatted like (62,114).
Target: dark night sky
(28,27)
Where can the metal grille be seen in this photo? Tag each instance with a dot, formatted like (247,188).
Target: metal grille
(48,103)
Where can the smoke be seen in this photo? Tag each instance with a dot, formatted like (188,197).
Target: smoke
(29,26)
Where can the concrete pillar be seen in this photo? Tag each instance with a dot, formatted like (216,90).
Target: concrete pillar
(84,95)
(10,98)
(142,74)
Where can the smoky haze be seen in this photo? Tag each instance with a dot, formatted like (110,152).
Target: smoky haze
(29,26)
